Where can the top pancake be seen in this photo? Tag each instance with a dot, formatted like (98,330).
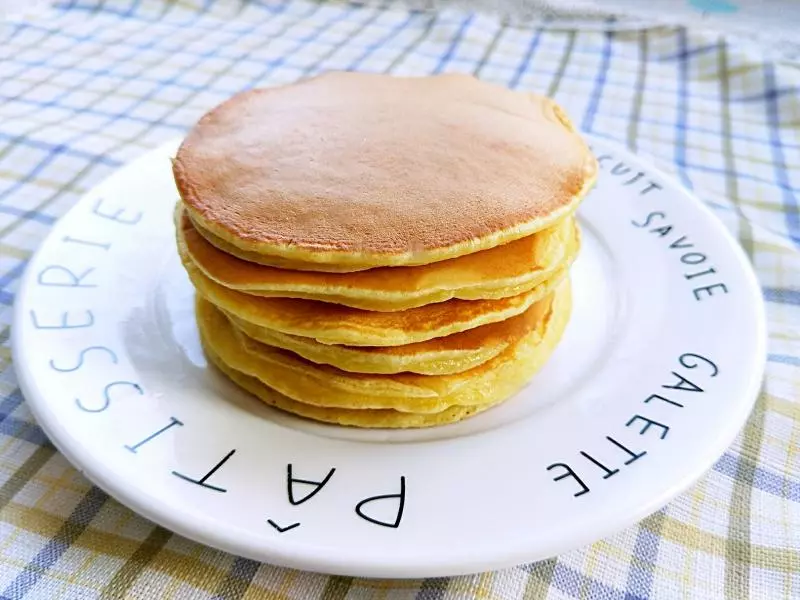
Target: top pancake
(348,171)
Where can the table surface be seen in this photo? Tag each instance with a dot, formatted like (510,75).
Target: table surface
(89,85)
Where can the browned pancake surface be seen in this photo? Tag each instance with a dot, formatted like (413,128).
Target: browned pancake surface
(375,166)
(505,270)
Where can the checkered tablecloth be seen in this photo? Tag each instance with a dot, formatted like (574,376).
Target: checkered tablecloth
(86,86)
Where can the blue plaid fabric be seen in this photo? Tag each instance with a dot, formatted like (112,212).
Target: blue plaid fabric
(86,86)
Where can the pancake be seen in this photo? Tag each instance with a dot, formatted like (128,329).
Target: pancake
(441,356)
(367,418)
(347,171)
(338,324)
(326,387)
(502,271)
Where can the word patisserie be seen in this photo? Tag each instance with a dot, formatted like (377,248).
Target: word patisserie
(379,251)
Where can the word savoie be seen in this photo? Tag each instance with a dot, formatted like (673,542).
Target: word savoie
(704,278)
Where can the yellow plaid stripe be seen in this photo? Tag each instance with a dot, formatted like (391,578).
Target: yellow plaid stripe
(713,113)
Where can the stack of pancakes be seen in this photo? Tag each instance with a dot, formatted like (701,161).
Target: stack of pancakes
(377,251)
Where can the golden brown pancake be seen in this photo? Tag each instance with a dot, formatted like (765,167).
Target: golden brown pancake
(354,170)
(441,356)
(274,261)
(367,418)
(502,271)
(338,324)
(356,398)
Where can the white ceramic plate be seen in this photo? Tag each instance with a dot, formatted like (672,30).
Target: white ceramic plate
(657,372)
